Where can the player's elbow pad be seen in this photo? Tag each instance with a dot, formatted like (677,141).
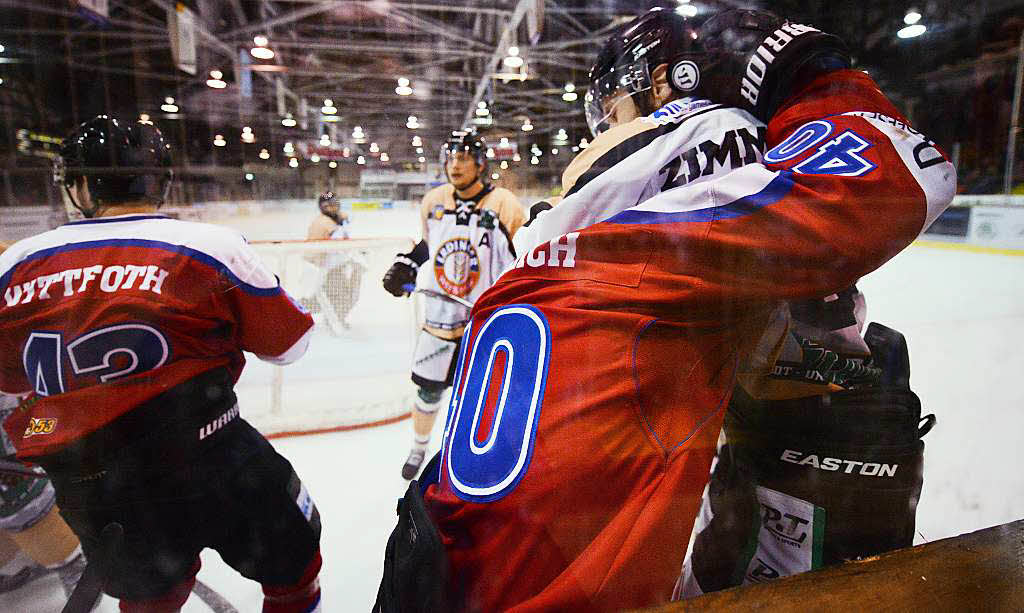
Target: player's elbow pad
(293,353)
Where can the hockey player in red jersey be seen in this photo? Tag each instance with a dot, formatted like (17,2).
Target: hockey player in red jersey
(130,327)
(594,374)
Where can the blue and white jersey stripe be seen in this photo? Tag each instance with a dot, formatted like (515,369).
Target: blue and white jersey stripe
(220,248)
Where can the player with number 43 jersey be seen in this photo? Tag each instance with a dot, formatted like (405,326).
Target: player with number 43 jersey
(594,374)
(128,328)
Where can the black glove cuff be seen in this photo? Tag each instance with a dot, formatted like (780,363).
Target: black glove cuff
(419,254)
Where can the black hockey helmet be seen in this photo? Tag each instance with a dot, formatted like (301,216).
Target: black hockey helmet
(462,141)
(729,58)
(121,162)
(760,59)
(624,64)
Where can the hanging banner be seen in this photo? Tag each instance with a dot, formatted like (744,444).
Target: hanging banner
(535,21)
(303,111)
(181,25)
(244,76)
(282,108)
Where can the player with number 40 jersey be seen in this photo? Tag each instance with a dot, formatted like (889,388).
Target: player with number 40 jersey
(595,373)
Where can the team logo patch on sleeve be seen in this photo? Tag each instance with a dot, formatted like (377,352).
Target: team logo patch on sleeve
(457,266)
(40,425)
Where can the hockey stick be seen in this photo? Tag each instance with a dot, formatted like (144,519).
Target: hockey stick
(97,568)
(216,602)
(434,294)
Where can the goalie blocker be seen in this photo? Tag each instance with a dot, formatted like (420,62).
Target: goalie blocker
(806,483)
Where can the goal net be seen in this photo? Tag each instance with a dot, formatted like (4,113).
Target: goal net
(356,372)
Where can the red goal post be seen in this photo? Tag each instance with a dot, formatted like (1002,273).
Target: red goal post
(356,372)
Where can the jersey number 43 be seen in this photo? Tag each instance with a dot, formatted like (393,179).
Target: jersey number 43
(496,403)
(108,353)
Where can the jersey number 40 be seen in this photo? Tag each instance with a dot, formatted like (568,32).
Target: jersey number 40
(496,403)
(108,353)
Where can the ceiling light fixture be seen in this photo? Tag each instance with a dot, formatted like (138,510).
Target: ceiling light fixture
(216,80)
(328,108)
(911,31)
(219,141)
(288,121)
(512,60)
(403,88)
(686,10)
(570,94)
(261,51)
(168,106)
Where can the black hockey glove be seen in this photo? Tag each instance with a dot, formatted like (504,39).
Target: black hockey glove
(400,279)
(401,275)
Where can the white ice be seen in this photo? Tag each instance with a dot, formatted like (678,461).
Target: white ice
(962,313)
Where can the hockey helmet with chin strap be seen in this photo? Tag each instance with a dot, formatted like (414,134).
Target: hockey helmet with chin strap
(121,162)
(468,142)
(748,59)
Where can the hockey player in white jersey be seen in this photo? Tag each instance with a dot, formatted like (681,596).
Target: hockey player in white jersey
(468,226)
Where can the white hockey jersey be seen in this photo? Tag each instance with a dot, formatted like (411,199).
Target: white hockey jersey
(470,244)
(680,144)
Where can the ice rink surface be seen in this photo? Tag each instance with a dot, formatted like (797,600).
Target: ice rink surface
(962,312)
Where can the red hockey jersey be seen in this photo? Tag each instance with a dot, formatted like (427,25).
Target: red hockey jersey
(98,316)
(595,373)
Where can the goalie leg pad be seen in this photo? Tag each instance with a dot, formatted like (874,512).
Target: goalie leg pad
(810,482)
(416,568)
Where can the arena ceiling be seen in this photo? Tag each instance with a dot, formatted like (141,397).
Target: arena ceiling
(61,64)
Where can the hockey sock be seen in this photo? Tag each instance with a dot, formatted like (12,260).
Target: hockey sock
(70,570)
(420,442)
(303,596)
(170,602)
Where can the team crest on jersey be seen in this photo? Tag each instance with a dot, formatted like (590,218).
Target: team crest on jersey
(437,212)
(457,266)
(40,425)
